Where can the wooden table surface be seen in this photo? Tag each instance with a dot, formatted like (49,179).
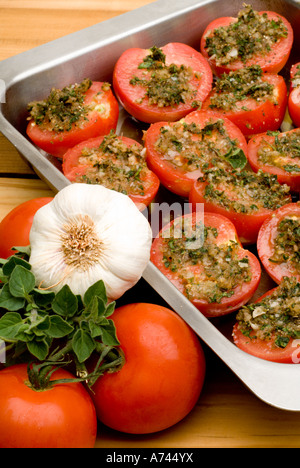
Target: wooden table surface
(227,414)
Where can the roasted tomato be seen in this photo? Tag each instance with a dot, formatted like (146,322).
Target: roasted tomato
(245,197)
(163,374)
(161,83)
(294,94)
(71,115)
(116,162)
(178,151)
(277,153)
(254,101)
(264,38)
(269,328)
(202,256)
(62,416)
(278,243)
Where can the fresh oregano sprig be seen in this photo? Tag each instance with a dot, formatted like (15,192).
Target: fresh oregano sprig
(56,327)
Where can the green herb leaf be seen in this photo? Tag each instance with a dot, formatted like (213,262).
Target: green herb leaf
(12,262)
(109,335)
(65,302)
(59,328)
(22,282)
(83,345)
(236,158)
(97,289)
(10,325)
(8,301)
(39,349)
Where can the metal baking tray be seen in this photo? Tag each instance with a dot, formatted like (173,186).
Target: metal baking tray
(92,52)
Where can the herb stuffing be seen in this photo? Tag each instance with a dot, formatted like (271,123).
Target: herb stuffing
(287,242)
(244,191)
(237,86)
(283,152)
(207,269)
(250,35)
(115,165)
(63,108)
(276,316)
(166,85)
(190,147)
(296,78)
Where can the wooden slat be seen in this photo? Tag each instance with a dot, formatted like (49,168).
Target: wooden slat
(13,192)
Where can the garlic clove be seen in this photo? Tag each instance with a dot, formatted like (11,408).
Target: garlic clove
(88,233)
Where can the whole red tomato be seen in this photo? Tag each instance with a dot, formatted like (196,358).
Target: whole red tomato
(62,417)
(15,226)
(162,377)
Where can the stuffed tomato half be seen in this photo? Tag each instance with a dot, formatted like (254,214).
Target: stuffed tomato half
(203,257)
(245,197)
(161,83)
(117,163)
(294,94)
(278,243)
(71,115)
(179,152)
(264,38)
(277,153)
(269,328)
(253,100)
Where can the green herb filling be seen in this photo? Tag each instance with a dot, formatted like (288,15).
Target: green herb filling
(252,34)
(275,317)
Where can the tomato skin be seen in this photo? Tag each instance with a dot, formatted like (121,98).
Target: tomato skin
(162,377)
(283,177)
(72,168)
(265,242)
(174,178)
(272,62)
(259,116)
(246,224)
(265,349)
(294,98)
(226,232)
(63,417)
(97,123)
(15,226)
(128,94)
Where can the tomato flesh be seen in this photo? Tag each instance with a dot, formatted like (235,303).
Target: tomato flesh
(162,377)
(294,96)
(73,168)
(265,243)
(252,116)
(226,233)
(271,62)
(175,178)
(264,349)
(132,97)
(291,178)
(97,122)
(63,417)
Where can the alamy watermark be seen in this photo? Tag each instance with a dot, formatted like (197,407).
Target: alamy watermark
(2,352)
(2,91)
(161,215)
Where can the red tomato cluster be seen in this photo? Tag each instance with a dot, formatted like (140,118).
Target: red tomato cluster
(158,385)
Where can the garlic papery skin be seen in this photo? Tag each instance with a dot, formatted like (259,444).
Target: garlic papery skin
(89,233)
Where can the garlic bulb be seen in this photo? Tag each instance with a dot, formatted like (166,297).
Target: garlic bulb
(86,234)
